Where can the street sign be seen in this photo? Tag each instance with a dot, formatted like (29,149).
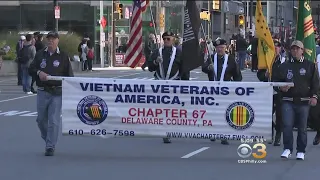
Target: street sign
(103,22)
(276,29)
(57,12)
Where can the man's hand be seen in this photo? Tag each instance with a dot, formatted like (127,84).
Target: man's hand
(313,101)
(159,60)
(43,76)
(210,67)
(267,74)
(284,88)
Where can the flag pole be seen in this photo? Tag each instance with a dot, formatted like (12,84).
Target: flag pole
(154,27)
(156,34)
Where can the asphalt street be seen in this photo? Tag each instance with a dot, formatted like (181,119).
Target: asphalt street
(81,158)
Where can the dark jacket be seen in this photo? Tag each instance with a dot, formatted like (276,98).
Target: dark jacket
(241,44)
(176,67)
(149,47)
(303,74)
(39,45)
(275,68)
(232,73)
(254,46)
(58,64)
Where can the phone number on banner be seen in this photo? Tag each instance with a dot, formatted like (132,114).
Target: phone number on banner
(99,132)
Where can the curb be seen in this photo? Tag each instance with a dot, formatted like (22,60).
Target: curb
(116,68)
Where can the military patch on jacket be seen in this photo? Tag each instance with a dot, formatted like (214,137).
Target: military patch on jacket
(289,74)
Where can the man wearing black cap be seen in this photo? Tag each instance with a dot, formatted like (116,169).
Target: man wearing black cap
(39,45)
(296,101)
(166,63)
(223,68)
(50,62)
(39,38)
(264,76)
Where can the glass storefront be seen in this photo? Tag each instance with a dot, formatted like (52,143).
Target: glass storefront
(122,28)
(77,18)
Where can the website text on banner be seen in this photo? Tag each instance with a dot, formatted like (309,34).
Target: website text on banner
(175,109)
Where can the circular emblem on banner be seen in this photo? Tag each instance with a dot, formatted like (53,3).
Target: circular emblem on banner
(240,115)
(92,110)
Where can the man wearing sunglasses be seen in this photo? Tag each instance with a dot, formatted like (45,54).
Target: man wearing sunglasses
(166,62)
(222,68)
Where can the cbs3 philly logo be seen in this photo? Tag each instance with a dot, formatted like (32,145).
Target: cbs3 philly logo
(258,151)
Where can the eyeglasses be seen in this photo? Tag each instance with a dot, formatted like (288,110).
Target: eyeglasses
(168,39)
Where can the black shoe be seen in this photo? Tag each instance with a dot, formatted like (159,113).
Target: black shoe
(224,142)
(316,139)
(33,91)
(166,140)
(277,140)
(49,152)
(143,68)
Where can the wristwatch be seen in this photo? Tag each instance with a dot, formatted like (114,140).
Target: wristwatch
(38,72)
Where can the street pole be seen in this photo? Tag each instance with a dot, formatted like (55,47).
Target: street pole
(113,34)
(318,13)
(223,21)
(209,20)
(247,14)
(101,35)
(251,14)
(56,20)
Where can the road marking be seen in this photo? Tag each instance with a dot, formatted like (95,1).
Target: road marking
(6,80)
(12,99)
(18,113)
(194,153)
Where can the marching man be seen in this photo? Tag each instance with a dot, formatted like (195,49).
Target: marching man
(264,75)
(223,68)
(166,62)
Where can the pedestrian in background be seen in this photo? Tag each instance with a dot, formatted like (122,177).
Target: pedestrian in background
(50,62)
(84,55)
(39,41)
(19,47)
(296,101)
(241,48)
(149,46)
(27,53)
(90,55)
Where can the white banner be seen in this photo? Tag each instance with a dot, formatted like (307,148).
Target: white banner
(176,109)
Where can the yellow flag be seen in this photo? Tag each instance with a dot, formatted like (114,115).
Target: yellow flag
(266,51)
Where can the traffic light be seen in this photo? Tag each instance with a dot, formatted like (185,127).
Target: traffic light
(205,15)
(162,20)
(241,20)
(119,10)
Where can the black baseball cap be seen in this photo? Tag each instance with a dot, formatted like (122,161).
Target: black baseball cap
(168,33)
(53,34)
(36,33)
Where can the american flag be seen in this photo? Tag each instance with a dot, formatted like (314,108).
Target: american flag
(134,51)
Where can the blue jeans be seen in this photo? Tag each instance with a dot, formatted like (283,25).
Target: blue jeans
(241,59)
(49,117)
(26,78)
(295,114)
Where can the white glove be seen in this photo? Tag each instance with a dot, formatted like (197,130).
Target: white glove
(159,60)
